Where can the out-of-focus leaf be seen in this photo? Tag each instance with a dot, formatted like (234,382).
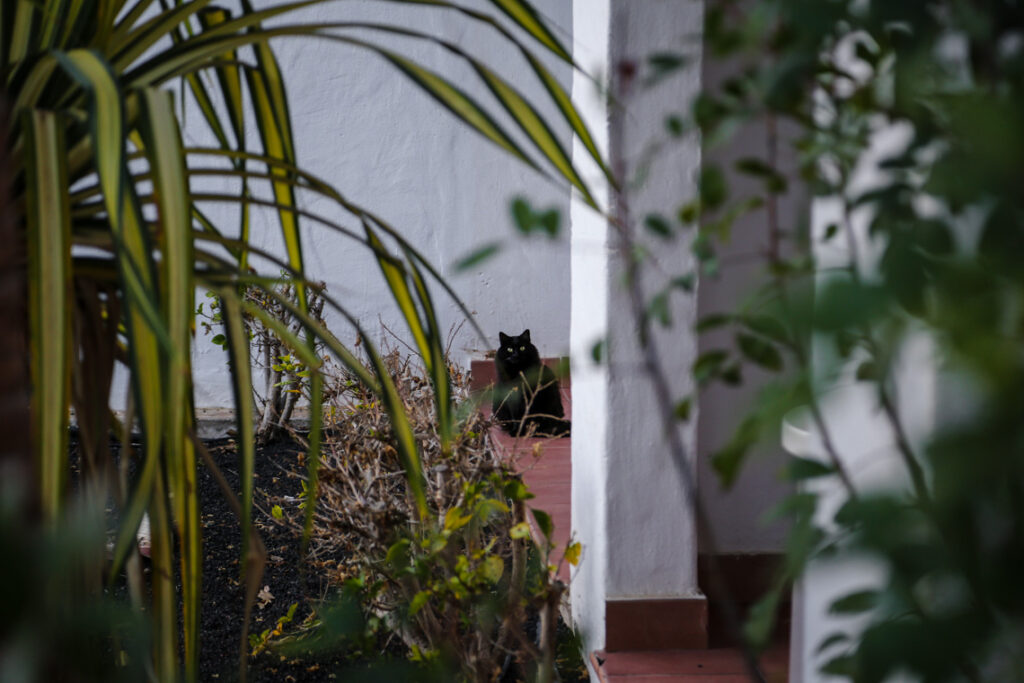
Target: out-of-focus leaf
(708,364)
(832,639)
(713,321)
(49,306)
(728,461)
(683,408)
(477,257)
(800,469)
(658,225)
(855,603)
(544,523)
(661,65)
(713,191)
(759,351)
(761,621)
(843,665)
(527,18)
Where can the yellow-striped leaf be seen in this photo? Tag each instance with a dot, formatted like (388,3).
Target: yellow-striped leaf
(527,18)
(531,123)
(162,141)
(49,251)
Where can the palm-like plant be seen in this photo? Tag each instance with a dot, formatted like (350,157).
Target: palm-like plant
(117,244)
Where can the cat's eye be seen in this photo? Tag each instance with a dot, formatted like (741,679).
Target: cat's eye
(509,349)
(522,348)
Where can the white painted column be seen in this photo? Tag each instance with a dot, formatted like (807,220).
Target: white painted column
(629,508)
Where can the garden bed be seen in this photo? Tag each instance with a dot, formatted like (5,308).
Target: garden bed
(289,578)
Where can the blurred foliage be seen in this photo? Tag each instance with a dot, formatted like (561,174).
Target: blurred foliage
(904,117)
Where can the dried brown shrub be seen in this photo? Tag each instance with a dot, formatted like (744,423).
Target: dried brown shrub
(456,583)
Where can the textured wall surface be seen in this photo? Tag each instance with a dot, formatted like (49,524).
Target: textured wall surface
(736,516)
(386,145)
(589,325)
(629,509)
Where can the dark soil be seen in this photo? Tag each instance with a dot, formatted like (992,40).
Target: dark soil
(285,576)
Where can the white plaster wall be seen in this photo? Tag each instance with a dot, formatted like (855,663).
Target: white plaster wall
(629,508)
(386,145)
(589,323)
(736,516)
(650,520)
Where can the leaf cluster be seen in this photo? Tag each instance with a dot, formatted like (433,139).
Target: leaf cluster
(902,118)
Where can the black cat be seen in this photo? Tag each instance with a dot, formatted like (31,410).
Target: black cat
(527,393)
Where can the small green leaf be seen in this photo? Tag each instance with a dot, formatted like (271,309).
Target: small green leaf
(492,569)
(727,461)
(867,371)
(516,490)
(544,523)
(219,339)
(799,469)
(759,351)
(732,374)
(684,282)
(713,191)
(855,603)
(689,213)
(454,519)
(659,310)
(842,665)
(522,215)
(551,222)
(663,64)
(398,554)
(831,231)
(712,321)
(761,621)
(476,257)
(674,125)
(276,512)
(659,225)
(527,220)
(708,364)
(832,639)
(417,602)
(682,409)
(597,351)
(752,166)
(767,326)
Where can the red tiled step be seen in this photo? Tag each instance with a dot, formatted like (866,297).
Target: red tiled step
(545,465)
(720,665)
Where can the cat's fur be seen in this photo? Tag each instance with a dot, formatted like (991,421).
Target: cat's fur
(527,393)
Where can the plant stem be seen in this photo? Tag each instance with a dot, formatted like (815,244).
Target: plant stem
(799,351)
(885,398)
(657,375)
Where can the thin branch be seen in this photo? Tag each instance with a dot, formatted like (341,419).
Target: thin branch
(658,377)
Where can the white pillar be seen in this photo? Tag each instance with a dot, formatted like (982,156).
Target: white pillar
(637,583)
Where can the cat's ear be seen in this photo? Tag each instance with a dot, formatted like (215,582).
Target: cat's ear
(504,338)
(525,336)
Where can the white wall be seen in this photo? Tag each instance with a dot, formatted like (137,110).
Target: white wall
(386,145)
(629,507)
(736,516)
(589,325)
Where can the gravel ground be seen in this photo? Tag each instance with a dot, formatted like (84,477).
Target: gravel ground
(285,579)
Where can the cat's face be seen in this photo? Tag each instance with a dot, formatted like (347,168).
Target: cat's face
(517,350)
